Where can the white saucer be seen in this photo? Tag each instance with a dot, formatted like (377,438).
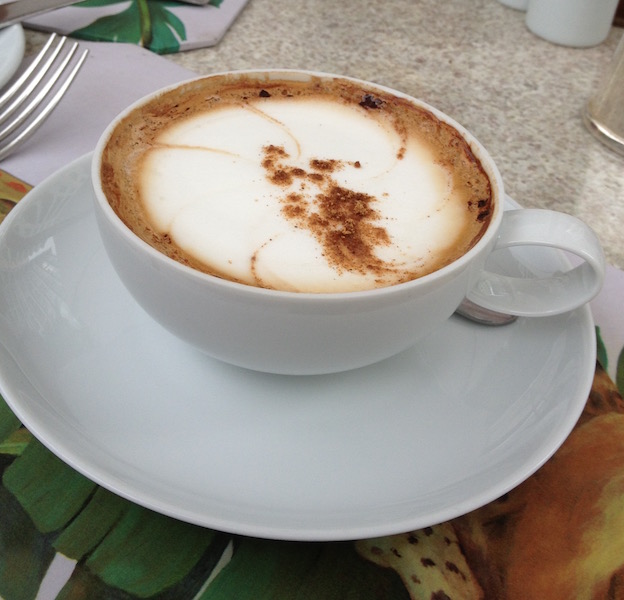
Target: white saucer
(12,44)
(430,434)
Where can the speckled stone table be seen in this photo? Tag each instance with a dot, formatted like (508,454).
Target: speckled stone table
(475,59)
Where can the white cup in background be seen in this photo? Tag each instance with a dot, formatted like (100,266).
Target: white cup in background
(579,23)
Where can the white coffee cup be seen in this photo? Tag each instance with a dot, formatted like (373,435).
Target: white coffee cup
(577,23)
(313,333)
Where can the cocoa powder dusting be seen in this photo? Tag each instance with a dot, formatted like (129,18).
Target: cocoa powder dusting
(343,221)
(281,177)
(324,165)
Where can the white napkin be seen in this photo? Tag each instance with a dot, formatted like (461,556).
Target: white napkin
(112,77)
(609,317)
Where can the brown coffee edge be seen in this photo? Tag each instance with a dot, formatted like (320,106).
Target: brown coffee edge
(141,126)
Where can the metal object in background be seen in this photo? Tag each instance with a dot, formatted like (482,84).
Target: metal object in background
(473,312)
(28,102)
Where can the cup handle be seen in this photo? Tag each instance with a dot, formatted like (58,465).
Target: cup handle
(560,291)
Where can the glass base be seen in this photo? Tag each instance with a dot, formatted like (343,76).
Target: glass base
(604,134)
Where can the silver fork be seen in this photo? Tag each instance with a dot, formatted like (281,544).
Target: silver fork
(28,102)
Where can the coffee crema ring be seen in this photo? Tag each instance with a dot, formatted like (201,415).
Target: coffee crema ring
(314,186)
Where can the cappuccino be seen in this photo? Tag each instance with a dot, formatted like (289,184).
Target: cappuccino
(323,185)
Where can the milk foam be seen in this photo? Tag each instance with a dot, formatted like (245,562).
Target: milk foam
(205,183)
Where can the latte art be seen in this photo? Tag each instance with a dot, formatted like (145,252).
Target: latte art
(341,220)
(309,187)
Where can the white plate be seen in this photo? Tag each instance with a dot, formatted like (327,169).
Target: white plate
(425,436)
(12,45)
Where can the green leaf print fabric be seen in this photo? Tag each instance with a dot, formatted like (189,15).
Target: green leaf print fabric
(162,26)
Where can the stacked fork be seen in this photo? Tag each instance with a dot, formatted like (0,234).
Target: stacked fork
(28,102)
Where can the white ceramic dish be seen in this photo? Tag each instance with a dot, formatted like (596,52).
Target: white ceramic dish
(12,44)
(420,438)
